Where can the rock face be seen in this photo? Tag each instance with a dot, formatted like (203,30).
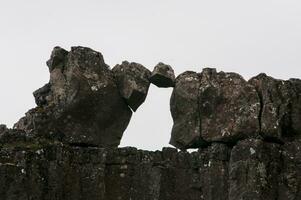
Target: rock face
(184,106)
(252,169)
(229,107)
(281,106)
(247,134)
(163,76)
(81,103)
(133,82)
(213,107)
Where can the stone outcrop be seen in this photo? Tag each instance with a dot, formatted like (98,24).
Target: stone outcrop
(223,107)
(163,76)
(81,103)
(280,116)
(252,169)
(246,136)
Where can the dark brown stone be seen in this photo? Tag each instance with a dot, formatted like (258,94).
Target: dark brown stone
(184,108)
(228,107)
(281,106)
(163,76)
(133,82)
(81,103)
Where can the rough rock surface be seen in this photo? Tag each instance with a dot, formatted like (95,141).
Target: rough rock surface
(247,135)
(186,132)
(213,107)
(81,103)
(133,82)
(163,76)
(45,169)
(281,106)
(229,107)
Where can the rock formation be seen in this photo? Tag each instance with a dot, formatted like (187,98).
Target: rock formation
(247,135)
(222,107)
(81,103)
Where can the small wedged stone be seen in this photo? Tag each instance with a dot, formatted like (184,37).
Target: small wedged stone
(133,82)
(280,115)
(81,104)
(163,76)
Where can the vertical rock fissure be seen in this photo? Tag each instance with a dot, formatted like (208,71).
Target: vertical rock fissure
(260,110)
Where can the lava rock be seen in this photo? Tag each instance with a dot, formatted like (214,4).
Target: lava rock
(213,107)
(81,103)
(40,95)
(2,128)
(290,177)
(228,107)
(133,82)
(253,170)
(281,106)
(57,58)
(163,76)
(184,109)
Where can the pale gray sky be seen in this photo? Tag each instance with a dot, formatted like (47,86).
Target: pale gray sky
(247,37)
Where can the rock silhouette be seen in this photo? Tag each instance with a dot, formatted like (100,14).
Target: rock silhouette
(246,135)
(81,103)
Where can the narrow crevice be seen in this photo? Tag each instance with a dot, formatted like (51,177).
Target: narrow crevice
(79,144)
(260,110)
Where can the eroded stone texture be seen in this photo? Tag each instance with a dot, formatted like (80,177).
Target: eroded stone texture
(184,107)
(213,107)
(228,107)
(81,104)
(290,178)
(281,106)
(133,82)
(163,76)
(50,170)
(253,170)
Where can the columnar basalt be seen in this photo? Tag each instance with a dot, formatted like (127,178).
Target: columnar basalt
(247,136)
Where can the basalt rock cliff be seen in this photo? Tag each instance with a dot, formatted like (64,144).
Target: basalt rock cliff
(248,136)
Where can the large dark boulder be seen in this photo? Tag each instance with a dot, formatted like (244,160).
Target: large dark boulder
(81,103)
(281,106)
(213,107)
(229,107)
(133,82)
(184,107)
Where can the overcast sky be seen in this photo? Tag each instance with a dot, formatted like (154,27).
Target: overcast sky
(247,37)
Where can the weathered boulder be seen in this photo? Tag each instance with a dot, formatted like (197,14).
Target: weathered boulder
(229,107)
(81,103)
(133,82)
(184,107)
(163,76)
(281,106)
(213,107)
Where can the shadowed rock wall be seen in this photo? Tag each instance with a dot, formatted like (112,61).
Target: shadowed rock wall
(251,169)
